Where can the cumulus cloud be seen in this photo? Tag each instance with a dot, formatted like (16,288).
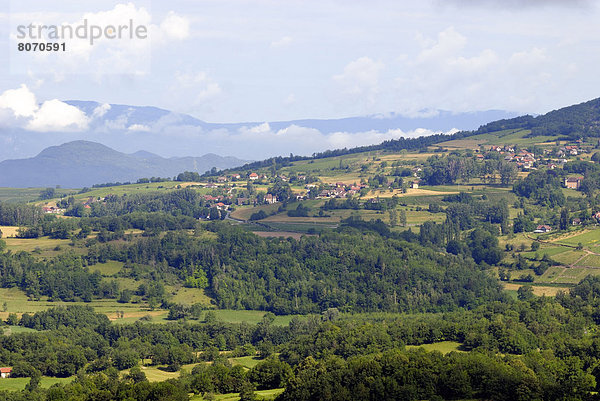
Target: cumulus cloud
(21,101)
(20,108)
(175,26)
(101,110)
(448,74)
(114,49)
(55,115)
(360,77)
(139,127)
(198,88)
(249,141)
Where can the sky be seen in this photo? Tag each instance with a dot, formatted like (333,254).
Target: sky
(268,60)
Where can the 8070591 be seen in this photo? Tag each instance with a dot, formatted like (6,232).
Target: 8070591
(41,47)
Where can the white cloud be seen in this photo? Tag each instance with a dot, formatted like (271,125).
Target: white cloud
(448,43)
(447,73)
(101,110)
(124,53)
(360,78)
(139,127)
(283,42)
(197,88)
(19,107)
(175,26)
(55,115)
(21,101)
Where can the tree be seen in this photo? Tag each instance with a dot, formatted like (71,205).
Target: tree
(564,219)
(247,392)
(403,218)
(525,293)
(47,193)
(281,190)
(393,217)
(12,319)
(125,296)
(508,173)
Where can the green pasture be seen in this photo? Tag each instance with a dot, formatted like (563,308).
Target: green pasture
(19,383)
(260,395)
(26,194)
(444,347)
(587,239)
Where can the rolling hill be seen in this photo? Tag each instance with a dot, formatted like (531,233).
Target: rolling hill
(82,163)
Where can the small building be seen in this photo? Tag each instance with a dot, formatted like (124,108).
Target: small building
(543,229)
(573,182)
(5,372)
(414,184)
(270,199)
(253,176)
(576,221)
(222,206)
(243,201)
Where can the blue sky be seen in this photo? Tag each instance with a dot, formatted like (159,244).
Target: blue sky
(253,60)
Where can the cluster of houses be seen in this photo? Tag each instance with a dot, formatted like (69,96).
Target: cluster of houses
(522,158)
(525,159)
(338,190)
(53,210)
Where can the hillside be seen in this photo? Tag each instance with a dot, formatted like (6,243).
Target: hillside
(82,163)
(577,121)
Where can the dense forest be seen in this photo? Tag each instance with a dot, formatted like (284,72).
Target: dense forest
(530,348)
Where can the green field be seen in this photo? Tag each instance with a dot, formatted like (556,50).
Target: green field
(44,246)
(109,268)
(250,316)
(8,330)
(444,347)
(19,383)
(246,361)
(588,239)
(18,302)
(25,194)
(260,395)
(568,257)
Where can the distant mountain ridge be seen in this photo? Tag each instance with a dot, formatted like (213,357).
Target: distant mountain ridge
(83,163)
(439,120)
(131,128)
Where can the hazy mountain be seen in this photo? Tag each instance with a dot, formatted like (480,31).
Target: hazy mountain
(162,132)
(82,163)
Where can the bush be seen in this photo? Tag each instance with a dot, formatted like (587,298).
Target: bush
(258,215)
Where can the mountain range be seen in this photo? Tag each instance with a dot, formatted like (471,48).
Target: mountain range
(78,164)
(130,128)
